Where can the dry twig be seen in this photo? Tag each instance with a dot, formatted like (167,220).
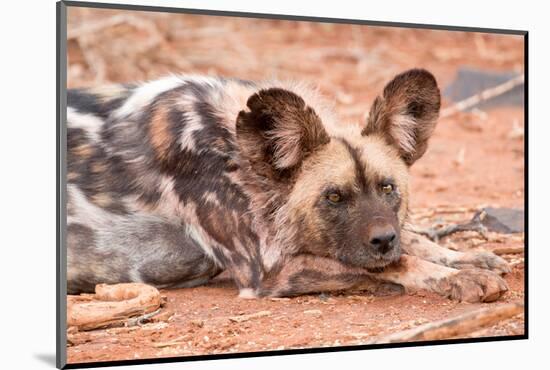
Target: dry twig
(255,315)
(113,305)
(487,94)
(176,342)
(436,233)
(456,326)
(509,250)
(445,209)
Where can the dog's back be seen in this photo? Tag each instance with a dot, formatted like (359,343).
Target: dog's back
(155,192)
(145,164)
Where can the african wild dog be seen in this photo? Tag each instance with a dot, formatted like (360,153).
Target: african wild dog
(173,181)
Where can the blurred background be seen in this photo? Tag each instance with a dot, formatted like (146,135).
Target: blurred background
(475,157)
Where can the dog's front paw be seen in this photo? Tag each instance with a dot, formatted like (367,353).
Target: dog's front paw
(483,260)
(473,285)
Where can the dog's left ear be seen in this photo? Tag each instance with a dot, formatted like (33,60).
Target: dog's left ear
(406,113)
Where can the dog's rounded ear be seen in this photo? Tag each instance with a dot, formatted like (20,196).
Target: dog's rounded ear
(278,131)
(406,113)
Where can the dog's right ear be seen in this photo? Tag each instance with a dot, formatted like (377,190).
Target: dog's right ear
(278,132)
(406,113)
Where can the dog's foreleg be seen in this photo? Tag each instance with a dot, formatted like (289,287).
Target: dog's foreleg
(304,274)
(470,285)
(420,246)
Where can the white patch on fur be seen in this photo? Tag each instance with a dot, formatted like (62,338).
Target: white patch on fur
(287,144)
(202,80)
(402,129)
(169,205)
(247,293)
(190,115)
(194,124)
(85,212)
(198,235)
(88,122)
(135,276)
(144,94)
(211,197)
(270,256)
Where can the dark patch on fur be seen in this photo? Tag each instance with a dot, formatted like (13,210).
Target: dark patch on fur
(97,173)
(202,171)
(180,259)
(80,237)
(88,261)
(360,175)
(85,102)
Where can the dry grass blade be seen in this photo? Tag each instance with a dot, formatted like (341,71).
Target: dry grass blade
(176,342)
(255,315)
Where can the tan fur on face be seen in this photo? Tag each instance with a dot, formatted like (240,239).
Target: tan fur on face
(383,161)
(333,164)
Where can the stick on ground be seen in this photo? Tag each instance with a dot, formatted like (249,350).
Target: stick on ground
(509,250)
(456,326)
(112,305)
(487,94)
(435,234)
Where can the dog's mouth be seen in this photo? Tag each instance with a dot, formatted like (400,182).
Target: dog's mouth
(382,267)
(379,264)
(373,262)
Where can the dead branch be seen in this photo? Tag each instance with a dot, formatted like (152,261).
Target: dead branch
(457,326)
(445,209)
(436,233)
(176,342)
(113,305)
(487,94)
(140,320)
(509,250)
(255,315)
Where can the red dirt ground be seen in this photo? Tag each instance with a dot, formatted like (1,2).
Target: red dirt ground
(473,161)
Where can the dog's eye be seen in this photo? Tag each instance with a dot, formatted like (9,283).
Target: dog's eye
(387,189)
(334,197)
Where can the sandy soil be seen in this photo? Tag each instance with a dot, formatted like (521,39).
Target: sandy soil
(473,160)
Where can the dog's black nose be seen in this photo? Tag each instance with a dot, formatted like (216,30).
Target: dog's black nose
(382,239)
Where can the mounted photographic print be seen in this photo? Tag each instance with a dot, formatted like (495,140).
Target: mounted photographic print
(235,184)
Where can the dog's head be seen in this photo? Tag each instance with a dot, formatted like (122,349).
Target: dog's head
(339,195)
